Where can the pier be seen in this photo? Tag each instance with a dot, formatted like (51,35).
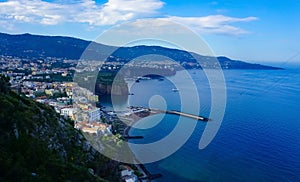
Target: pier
(132,137)
(148,176)
(188,115)
(127,136)
(200,118)
(138,110)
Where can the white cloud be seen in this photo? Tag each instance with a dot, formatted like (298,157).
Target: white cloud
(109,13)
(213,23)
(84,11)
(115,11)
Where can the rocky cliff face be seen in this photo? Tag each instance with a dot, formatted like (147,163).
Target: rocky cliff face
(111,83)
(119,89)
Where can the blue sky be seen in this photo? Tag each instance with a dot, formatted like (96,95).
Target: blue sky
(256,30)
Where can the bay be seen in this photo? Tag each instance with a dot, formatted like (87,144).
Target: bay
(257,141)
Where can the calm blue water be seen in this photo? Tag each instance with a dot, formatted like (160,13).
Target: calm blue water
(259,139)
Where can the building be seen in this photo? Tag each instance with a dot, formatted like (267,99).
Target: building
(90,130)
(94,115)
(67,112)
(103,129)
(128,176)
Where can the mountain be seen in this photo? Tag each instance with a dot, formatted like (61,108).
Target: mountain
(36,144)
(36,46)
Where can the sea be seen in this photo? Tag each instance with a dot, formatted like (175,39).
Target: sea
(258,138)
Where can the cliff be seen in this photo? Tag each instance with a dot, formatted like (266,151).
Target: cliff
(38,145)
(103,89)
(109,83)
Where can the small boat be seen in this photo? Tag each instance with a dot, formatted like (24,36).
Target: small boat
(130,93)
(175,90)
(144,78)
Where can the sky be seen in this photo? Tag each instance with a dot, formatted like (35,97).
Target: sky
(254,31)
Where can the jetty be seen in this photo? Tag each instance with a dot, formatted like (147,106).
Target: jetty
(157,111)
(196,117)
(132,137)
(139,112)
(148,176)
(201,118)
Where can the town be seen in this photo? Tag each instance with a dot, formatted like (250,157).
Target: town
(50,81)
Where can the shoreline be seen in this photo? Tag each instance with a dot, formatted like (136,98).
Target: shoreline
(141,167)
(136,117)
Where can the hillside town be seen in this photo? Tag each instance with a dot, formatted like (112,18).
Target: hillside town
(45,82)
(49,81)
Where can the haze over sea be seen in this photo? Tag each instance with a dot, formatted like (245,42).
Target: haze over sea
(259,136)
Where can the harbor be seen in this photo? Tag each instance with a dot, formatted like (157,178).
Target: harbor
(159,111)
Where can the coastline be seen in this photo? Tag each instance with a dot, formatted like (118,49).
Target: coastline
(136,117)
(141,168)
(147,176)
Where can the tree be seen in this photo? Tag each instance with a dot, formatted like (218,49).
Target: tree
(4,83)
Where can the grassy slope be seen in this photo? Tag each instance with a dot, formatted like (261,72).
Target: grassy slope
(37,145)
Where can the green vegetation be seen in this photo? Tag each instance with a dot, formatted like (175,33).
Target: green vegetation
(101,82)
(85,79)
(4,84)
(107,78)
(37,145)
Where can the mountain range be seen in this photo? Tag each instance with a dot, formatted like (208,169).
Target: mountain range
(37,46)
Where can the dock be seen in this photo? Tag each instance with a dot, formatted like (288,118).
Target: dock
(127,136)
(151,177)
(148,176)
(200,118)
(133,137)
(147,112)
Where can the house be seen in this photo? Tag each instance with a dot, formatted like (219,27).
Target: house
(128,176)
(67,112)
(90,130)
(94,115)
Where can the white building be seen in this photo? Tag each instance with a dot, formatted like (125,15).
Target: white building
(128,176)
(67,112)
(94,115)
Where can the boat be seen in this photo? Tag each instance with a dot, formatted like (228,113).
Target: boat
(175,90)
(144,78)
